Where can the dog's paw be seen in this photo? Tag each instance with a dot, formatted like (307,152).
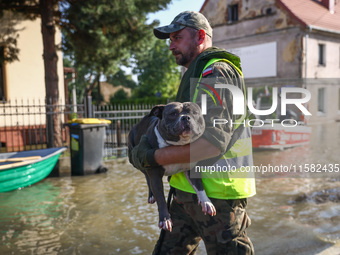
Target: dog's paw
(151,200)
(208,208)
(166,224)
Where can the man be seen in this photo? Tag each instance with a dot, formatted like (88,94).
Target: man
(228,145)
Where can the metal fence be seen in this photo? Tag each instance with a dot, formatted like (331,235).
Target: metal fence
(123,118)
(23,124)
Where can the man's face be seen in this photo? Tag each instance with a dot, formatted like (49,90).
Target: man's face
(184,46)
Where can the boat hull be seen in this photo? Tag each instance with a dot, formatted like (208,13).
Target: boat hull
(17,177)
(278,137)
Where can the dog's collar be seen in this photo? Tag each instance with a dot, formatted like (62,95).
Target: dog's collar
(161,142)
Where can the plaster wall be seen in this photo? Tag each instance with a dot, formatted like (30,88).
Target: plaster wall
(25,78)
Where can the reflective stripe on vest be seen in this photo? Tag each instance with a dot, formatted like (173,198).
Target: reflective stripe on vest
(228,178)
(231,181)
(210,62)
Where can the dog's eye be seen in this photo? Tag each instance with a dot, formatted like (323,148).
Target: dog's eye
(173,113)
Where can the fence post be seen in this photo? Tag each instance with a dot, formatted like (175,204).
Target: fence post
(88,106)
(49,123)
(119,139)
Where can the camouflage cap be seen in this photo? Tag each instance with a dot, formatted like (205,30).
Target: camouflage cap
(191,19)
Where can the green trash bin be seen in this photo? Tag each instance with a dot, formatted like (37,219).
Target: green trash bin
(87,145)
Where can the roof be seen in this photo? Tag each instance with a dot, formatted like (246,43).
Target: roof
(314,14)
(204,4)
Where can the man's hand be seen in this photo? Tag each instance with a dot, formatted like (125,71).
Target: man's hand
(143,155)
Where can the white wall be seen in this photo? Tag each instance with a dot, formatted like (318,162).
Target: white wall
(25,78)
(332,58)
(258,60)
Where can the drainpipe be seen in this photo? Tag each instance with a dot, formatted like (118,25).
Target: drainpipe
(306,54)
(306,63)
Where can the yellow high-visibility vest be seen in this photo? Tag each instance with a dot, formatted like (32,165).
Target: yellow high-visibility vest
(231,176)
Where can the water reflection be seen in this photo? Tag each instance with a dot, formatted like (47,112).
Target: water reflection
(108,213)
(27,219)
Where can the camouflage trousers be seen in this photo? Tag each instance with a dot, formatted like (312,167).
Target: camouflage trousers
(222,234)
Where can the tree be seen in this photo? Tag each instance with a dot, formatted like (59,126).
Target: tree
(158,73)
(119,96)
(47,11)
(100,33)
(121,78)
(8,36)
(105,34)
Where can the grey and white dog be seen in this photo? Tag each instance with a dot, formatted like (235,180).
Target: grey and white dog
(171,124)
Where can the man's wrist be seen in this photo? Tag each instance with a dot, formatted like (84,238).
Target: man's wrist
(150,158)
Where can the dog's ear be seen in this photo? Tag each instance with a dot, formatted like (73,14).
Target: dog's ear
(157,111)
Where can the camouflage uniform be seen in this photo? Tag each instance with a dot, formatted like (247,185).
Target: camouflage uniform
(222,234)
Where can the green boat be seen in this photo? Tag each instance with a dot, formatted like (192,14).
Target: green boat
(24,168)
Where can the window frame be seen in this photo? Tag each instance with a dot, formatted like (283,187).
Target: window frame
(321,54)
(232,12)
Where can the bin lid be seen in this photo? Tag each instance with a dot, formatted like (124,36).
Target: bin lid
(89,121)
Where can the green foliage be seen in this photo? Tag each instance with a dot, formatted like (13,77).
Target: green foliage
(157,71)
(261,91)
(80,83)
(97,97)
(98,35)
(119,95)
(145,100)
(102,34)
(9,33)
(121,78)
(72,116)
(12,12)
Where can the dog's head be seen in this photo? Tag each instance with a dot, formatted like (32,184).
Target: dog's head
(180,123)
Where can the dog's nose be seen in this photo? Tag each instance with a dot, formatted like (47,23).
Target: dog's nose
(185,118)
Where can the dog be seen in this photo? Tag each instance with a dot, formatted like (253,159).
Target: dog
(172,124)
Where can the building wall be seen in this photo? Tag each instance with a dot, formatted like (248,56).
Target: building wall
(25,79)
(216,10)
(323,77)
(331,69)
(288,53)
(256,26)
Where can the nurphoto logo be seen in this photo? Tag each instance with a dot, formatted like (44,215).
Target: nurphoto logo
(240,102)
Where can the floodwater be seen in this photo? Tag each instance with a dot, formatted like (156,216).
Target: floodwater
(108,213)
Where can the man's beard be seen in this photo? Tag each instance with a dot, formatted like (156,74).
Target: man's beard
(183,59)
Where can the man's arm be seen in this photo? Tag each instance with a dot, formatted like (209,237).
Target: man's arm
(215,138)
(197,151)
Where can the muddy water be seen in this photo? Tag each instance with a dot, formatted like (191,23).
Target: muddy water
(108,213)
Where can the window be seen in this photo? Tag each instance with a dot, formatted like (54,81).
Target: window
(339,101)
(2,79)
(269,11)
(322,57)
(233,13)
(321,100)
